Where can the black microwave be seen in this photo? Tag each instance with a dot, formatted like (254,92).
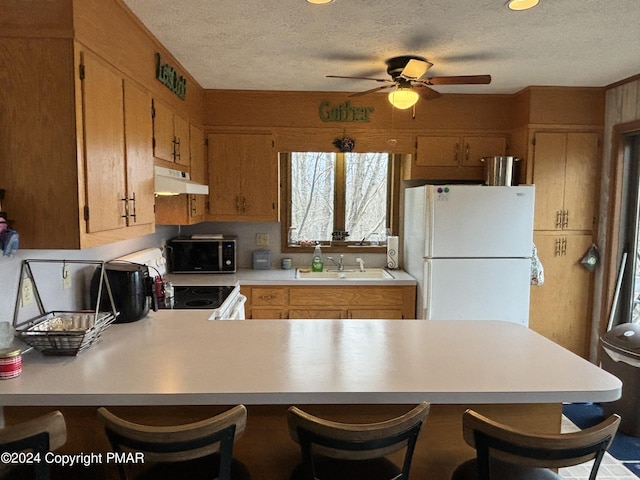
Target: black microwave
(202,255)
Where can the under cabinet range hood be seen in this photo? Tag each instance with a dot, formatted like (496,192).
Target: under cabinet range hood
(175,182)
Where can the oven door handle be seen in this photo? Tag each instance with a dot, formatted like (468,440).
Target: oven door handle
(236,312)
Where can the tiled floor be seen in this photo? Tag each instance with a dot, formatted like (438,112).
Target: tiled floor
(610,468)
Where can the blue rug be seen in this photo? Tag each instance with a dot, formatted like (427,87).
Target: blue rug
(624,447)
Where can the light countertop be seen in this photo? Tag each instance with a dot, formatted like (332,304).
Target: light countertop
(180,358)
(249,277)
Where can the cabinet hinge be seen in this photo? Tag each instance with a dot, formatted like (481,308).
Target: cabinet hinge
(81,71)
(86,213)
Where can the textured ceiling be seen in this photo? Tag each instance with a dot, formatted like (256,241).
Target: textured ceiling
(292,45)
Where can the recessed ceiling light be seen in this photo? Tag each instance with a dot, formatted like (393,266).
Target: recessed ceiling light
(518,5)
(319,2)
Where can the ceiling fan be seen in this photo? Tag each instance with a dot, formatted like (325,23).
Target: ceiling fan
(407,76)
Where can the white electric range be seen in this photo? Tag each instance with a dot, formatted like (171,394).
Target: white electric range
(218,293)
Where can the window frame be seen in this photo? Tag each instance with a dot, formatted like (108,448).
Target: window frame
(393,189)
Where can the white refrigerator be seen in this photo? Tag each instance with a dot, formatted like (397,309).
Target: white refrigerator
(469,247)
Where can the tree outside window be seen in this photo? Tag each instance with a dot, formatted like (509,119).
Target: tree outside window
(339,192)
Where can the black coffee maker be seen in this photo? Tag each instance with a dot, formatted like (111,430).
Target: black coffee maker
(132,289)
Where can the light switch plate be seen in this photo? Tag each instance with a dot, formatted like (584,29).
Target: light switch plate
(262,239)
(27,292)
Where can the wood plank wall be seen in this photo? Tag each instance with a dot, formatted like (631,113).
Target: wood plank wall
(622,109)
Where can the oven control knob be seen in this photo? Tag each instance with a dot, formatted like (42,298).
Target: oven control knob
(227,262)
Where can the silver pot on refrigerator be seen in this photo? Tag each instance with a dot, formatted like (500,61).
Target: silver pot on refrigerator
(501,170)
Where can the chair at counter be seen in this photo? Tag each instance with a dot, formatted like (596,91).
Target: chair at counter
(347,451)
(505,453)
(196,450)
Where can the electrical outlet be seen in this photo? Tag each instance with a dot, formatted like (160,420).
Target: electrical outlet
(66,278)
(27,292)
(262,239)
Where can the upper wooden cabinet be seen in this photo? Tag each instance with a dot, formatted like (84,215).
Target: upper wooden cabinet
(117,150)
(453,156)
(243,177)
(565,170)
(187,209)
(138,128)
(75,186)
(170,135)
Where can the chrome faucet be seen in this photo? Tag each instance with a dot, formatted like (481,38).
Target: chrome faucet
(339,264)
(360,262)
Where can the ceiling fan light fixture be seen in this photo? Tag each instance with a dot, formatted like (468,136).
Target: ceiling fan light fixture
(319,2)
(403,98)
(519,5)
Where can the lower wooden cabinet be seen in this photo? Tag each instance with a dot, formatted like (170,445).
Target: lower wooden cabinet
(561,308)
(330,302)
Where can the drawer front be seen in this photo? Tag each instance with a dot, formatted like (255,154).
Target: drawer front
(345,296)
(266,296)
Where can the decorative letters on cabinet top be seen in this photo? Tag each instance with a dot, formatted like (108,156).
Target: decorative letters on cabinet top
(345,112)
(169,77)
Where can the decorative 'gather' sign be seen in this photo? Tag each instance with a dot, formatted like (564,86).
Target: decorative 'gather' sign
(169,77)
(344,112)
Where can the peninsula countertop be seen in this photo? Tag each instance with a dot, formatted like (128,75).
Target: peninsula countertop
(181,358)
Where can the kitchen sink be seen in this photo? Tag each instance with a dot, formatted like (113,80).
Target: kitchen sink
(346,274)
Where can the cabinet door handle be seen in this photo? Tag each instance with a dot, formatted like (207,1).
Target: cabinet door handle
(237,203)
(456,153)
(564,246)
(565,219)
(133,209)
(176,149)
(559,215)
(192,201)
(125,208)
(244,203)
(558,249)
(467,153)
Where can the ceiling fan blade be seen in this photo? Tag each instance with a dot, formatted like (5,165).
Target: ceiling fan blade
(386,80)
(425,92)
(415,68)
(370,91)
(459,80)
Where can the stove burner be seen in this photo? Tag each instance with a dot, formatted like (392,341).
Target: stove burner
(198,303)
(203,297)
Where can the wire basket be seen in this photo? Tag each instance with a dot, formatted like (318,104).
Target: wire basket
(64,333)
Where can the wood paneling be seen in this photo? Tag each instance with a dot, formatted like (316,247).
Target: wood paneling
(37,140)
(566,105)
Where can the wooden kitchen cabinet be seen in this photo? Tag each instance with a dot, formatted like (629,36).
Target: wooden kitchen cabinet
(187,209)
(243,178)
(565,170)
(330,302)
(117,149)
(561,308)
(453,156)
(170,135)
(138,128)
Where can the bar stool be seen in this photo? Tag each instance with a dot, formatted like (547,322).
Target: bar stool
(346,451)
(196,450)
(39,436)
(504,453)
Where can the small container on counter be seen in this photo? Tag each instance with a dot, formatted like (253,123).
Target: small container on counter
(10,363)
(286,264)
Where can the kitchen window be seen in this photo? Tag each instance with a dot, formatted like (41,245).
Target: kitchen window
(329,193)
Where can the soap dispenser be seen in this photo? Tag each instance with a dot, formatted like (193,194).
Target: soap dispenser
(316,263)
